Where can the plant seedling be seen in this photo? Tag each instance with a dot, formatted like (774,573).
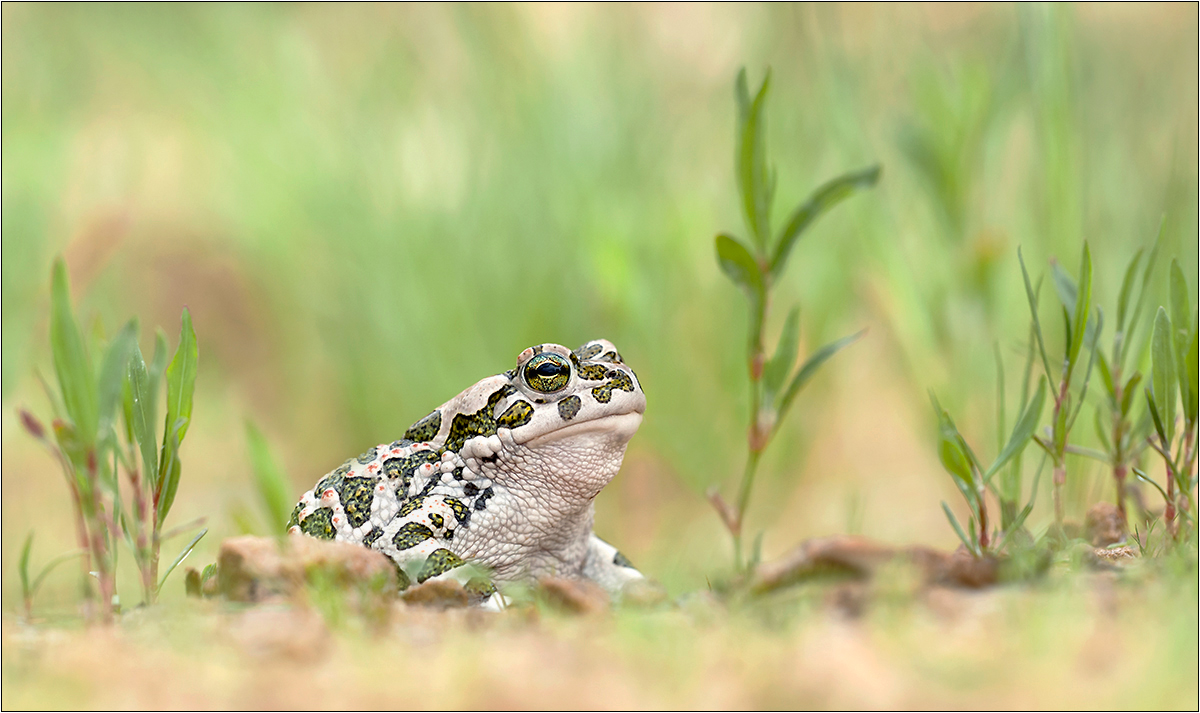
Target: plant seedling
(755,266)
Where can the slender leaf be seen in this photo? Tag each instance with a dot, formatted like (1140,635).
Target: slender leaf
(23,565)
(187,550)
(780,365)
(1162,373)
(1181,320)
(181,385)
(822,199)
(1102,431)
(141,410)
(740,266)
(71,362)
(1143,293)
(950,451)
(1127,289)
(112,373)
(810,366)
(1032,298)
(1064,285)
(1158,421)
(1147,479)
(1191,361)
(1083,309)
(274,490)
(1110,387)
(751,165)
(1022,431)
(1097,328)
(962,536)
(1130,390)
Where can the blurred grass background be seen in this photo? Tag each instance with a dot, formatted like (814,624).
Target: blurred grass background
(368,208)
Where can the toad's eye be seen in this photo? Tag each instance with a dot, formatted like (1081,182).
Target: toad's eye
(547,372)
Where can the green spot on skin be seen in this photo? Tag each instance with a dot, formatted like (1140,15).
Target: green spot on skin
(461,513)
(518,414)
(356,495)
(426,428)
(569,407)
(587,351)
(410,506)
(480,587)
(437,520)
(411,535)
(319,524)
(619,381)
(402,580)
(440,561)
(295,518)
(592,372)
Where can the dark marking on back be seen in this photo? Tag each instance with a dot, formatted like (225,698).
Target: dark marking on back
(619,381)
(589,350)
(411,535)
(356,496)
(319,524)
(426,428)
(368,456)
(439,561)
(592,372)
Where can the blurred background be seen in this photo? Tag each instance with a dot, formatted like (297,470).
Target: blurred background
(368,208)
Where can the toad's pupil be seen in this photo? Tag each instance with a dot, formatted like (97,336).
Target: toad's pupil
(549,368)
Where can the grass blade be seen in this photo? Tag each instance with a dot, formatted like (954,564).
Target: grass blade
(181,386)
(71,362)
(1022,432)
(1181,320)
(187,550)
(23,565)
(1143,291)
(751,164)
(950,451)
(780,365)
(112,373)
(962,536)
(141,412)
(1126,290)
(810,367)
(824,198)
(274,490)
(1032,296)
(1083,309)
(1162,375)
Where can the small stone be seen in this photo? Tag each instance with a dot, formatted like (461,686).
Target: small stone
(575,596)
(1104,525)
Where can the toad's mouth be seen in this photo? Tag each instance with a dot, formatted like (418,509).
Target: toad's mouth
(618,428)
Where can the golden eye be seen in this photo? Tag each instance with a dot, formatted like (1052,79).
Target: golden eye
(547,372)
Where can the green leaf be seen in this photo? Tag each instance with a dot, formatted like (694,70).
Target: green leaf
(950,452)
(1127,289)
(141,410)
(1110,388)
(1143,292)
(1190,360)
(1147,479)
(1181,320)
(1032,297)
(810,366)
(1064,285)
(1162,374)
(1022,432)
(1158,422)
(962,536)
(751,162)
(23,565)
(274,490)
(187,550)
(740,266)
(112,373)
(1129,391)
(780,365)
(71,362)
(181,386)
(824,198)
(1102,431)
(1083,309)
